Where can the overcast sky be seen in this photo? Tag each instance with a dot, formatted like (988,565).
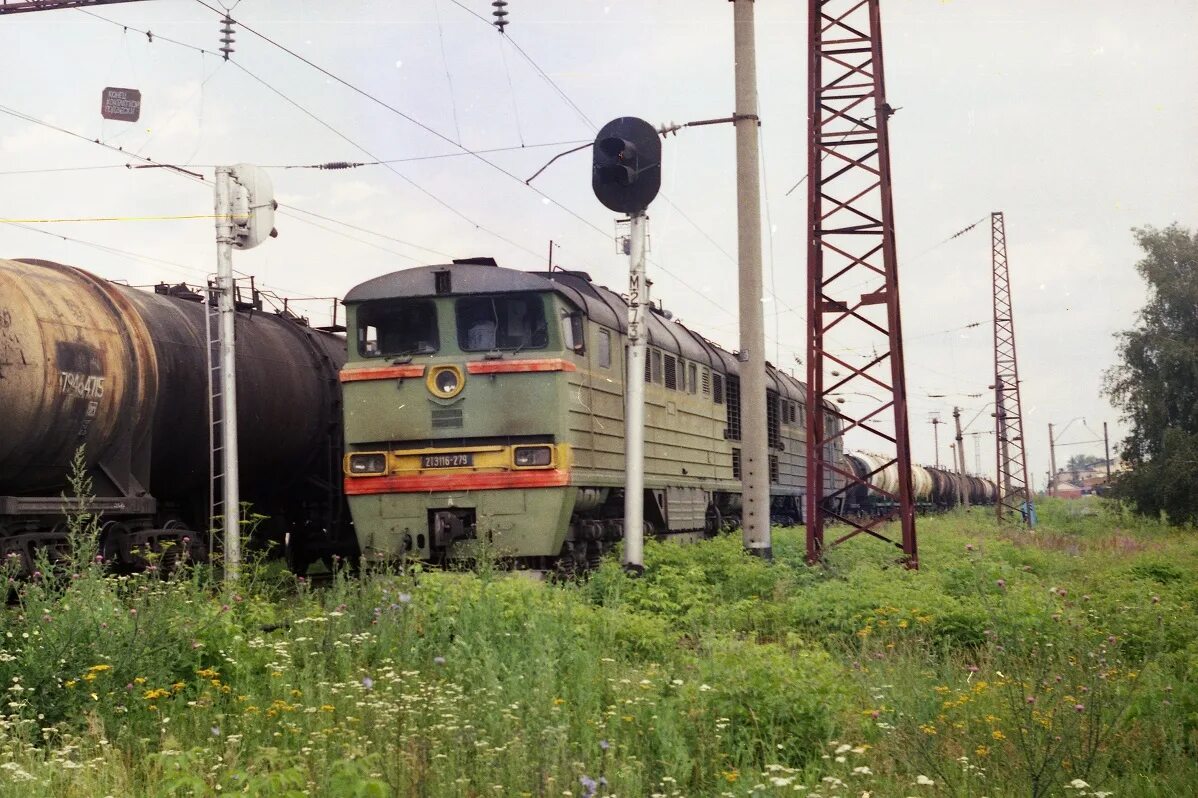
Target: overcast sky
(1076,119)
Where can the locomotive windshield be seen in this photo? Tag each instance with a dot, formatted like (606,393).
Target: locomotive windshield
(502,322)
(397,327)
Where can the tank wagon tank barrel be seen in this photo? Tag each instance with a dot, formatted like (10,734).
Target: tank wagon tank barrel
(122,372)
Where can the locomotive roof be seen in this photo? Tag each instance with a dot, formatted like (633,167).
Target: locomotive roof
(601,305)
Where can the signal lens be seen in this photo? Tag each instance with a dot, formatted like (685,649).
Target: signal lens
(533,456)
(373,463)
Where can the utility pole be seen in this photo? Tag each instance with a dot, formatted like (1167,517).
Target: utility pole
(245,212)
(852,269)
(1014,490)
(227,389)
(1106,445)
(960,449)
(1052,463)
(755,471)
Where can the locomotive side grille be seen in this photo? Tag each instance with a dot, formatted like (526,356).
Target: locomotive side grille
(671,373)
(733,396)
(447,417)
(774,430)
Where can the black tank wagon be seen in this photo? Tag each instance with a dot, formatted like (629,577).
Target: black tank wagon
(121,371)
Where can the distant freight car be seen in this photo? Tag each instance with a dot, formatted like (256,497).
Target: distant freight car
(122,372)
(932,488)
(487,403)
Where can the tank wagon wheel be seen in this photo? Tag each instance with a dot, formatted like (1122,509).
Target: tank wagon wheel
(112,535)
(713,524)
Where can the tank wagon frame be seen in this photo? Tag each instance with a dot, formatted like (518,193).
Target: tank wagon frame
(498,415)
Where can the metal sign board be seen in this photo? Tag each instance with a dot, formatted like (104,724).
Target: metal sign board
(121,104)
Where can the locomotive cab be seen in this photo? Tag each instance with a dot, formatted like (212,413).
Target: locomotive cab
(454,427)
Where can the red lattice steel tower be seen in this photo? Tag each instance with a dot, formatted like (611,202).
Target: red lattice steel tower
(852,268)
(1014,491)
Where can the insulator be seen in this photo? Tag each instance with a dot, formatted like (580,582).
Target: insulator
(227,37)
(500,14)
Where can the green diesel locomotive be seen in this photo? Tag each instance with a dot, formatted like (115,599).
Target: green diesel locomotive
(484,403)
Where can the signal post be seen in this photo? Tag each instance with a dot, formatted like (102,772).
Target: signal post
(625,176)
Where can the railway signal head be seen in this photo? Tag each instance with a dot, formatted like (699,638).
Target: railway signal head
(626,165)
(254,206)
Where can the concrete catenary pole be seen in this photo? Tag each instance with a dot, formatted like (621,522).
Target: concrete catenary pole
(1052,463)
(755,471)
(960,452)
(936,422)
(228,371)
(634,410)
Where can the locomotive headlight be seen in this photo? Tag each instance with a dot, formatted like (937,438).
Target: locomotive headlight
(445,381)
(533,456)
(372,463)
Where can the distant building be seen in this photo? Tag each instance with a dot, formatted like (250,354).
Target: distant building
(1071,484)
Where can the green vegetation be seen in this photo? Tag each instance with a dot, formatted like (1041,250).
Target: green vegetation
(1061,662)
(1156,381)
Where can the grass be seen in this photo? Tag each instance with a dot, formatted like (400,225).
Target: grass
(1060,662)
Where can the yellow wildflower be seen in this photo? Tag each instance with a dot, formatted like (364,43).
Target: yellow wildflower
(327,708)
(998,735)
(155,694)
(982,750)
(71,683)
(139,680)
(731,775)
(557,702)
(99,668)
(208,673)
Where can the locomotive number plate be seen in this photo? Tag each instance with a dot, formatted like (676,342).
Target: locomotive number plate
(460,460)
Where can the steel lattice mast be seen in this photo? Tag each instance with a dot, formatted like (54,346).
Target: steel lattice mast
(852,267)
(1013,487)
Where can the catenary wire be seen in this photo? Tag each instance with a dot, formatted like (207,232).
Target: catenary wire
(446,139)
